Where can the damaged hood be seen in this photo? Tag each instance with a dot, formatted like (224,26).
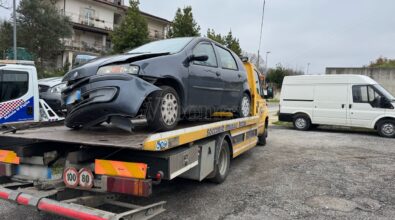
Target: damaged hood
(90,68)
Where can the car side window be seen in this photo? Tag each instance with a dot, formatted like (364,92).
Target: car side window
(366,94)
(205,49)
(227,59)
(13,85)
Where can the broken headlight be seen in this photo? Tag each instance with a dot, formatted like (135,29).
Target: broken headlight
(118,69)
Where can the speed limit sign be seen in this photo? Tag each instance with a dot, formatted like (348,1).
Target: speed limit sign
(86,178)
(70,177)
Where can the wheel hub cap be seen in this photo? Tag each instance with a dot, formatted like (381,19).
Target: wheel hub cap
(300,123)
(245,106)
(169,109)
(388,129)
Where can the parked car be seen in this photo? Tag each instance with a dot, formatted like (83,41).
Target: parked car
(164,80)
(345,100)
(50,91)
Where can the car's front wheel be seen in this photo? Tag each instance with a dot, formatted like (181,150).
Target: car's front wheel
(386,128)
(163,109)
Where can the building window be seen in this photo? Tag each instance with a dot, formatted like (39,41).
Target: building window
(156,34)
(89,16)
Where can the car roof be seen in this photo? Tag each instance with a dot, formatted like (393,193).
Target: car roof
(53,81)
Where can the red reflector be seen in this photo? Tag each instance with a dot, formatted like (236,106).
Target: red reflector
(22,200)
(129,186)
(4,195)
(66,212)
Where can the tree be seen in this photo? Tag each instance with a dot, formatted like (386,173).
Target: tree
(276,76)
(383,62)
(184,25)
(133,30)
(41,28)
(215,37)
(229,41)
(5,37)
(233,43)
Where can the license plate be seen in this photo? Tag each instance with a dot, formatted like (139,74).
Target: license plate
(75,96)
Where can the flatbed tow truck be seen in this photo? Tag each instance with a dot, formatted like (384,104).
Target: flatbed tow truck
(86,174)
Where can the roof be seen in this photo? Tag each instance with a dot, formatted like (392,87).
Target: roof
(328,79)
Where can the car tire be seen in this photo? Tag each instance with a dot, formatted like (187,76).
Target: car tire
(302,122)
(221,169)
(386,128)
(163,111)
(244,107)
(262,138)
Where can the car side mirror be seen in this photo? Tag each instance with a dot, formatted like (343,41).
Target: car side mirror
(385,103)
(200,58)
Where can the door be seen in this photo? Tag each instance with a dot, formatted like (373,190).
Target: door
(16,97)
(205,83)
(365,105)
(233,78)
(330,104)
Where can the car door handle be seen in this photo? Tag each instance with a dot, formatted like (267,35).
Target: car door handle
(343,105)
(218,73)
(239,75)
(350,106)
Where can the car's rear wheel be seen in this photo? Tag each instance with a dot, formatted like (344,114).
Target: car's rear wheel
(302,122)
(386,128)
(245,106)
(163,109)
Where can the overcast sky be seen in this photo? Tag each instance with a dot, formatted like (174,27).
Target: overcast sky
(321,32)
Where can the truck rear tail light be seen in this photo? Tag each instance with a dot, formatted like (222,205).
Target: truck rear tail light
(134,187)
(7,156)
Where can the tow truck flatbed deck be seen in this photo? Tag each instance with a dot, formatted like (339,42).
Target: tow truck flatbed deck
(140,139)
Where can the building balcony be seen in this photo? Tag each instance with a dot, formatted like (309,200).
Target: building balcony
(86,47)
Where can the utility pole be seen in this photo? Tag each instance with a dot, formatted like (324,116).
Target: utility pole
(14,14)
(267,58)
(260,38)
(308,68)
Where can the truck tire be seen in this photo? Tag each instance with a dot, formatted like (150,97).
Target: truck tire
(262,138)
(386,128)
(163,111)
(301,122)
(221,169)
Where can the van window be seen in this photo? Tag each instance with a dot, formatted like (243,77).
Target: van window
(366,94)
(13,85)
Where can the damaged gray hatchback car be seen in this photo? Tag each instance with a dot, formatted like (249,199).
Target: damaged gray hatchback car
(163,80)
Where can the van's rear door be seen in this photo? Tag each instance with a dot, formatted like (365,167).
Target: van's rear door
(16,96)
(330,104)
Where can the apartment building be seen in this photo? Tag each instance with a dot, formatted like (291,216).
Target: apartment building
(92,22)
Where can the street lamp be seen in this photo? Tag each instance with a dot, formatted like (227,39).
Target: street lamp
(14,14)
(267,57)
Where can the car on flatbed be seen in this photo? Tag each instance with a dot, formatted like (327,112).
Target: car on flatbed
(164,80)
(72,173)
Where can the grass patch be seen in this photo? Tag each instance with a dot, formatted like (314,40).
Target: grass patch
(273,100)
(282,123)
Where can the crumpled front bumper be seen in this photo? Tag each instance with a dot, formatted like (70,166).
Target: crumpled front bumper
(94,100)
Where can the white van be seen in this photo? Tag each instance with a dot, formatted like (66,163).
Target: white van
(345,100)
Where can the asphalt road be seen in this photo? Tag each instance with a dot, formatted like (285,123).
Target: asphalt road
(321,174)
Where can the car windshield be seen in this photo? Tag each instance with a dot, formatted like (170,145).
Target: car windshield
(174,45)
(384,92)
